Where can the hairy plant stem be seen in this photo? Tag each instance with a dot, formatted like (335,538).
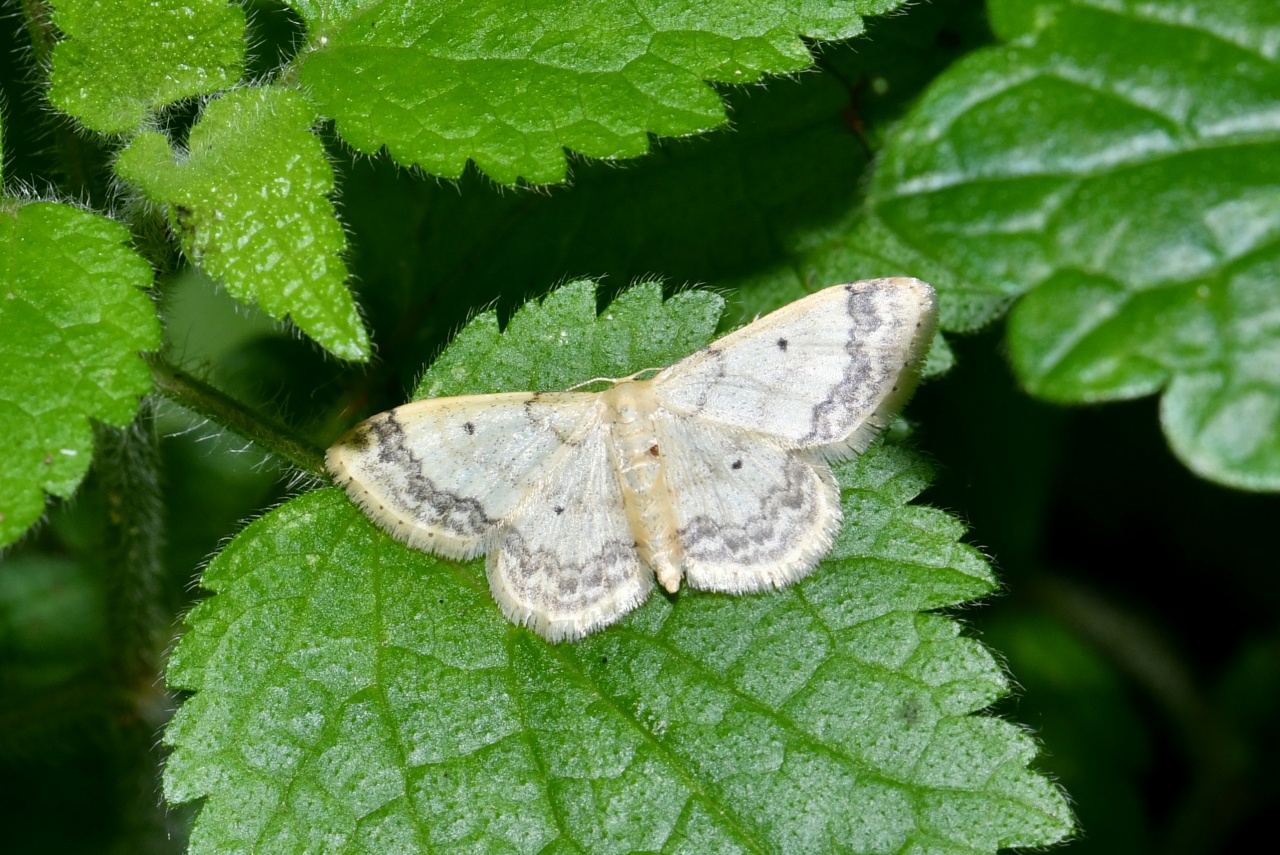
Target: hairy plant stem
(127,465)
(221,408)
(36,14)
(127,468)
(82,160)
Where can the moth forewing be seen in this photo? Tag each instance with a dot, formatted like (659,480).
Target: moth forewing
(824,373)
(443,474)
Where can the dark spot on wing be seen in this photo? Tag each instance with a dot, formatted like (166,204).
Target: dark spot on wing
(782,344)
(559,510)
(737,464)
(469,428)
(359,438)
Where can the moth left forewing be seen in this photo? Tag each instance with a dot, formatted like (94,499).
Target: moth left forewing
(823,373)
(444,474)
(566,562)
(749,513)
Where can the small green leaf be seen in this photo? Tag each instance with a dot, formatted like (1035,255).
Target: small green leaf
(553,344)
(250,201)
(438,85)
(356,695)
(126,58)
(74,316)
(1117,163)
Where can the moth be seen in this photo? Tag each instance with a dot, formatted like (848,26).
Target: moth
(715,471)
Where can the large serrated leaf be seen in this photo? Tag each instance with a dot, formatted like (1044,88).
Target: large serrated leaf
(1117,163)
(512,87)
(73,317)
(356,695)
(250,202)
(125,58)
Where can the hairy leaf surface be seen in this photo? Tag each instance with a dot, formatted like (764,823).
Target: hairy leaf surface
(443,83)
(250,201)
(123,59)
(74,316)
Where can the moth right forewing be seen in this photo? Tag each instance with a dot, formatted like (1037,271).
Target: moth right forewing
(443,474)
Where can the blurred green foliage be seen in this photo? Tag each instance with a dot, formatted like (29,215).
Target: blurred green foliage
(1137,613)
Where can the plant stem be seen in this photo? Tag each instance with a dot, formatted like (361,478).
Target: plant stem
(127,467)
(82,161)
(219,407)
(40,30)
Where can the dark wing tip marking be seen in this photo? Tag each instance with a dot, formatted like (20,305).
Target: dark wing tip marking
(359,438)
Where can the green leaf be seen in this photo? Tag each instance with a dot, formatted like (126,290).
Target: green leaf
(356,695)
(438,85)
(250,201)
(123,59)
(559,342)
(1117,163)
(1079,704)
(74,316)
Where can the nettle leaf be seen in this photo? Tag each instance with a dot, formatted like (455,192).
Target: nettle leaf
(560,341)
(1117,163)
(512,87)
(356,695)
(123,59)
(73,316)
(250,201)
